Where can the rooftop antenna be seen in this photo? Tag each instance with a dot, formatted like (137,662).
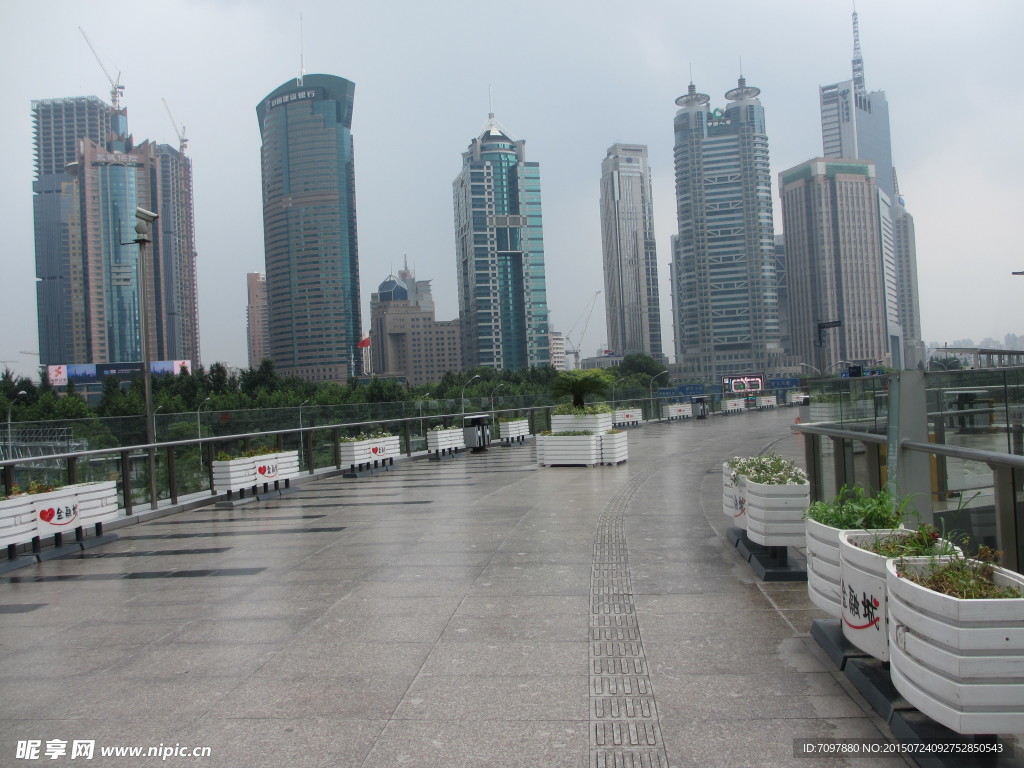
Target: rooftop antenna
(490,103)
(116,89)
(858,59)
(182,141)
(302,54)
(741,66)
(691,73)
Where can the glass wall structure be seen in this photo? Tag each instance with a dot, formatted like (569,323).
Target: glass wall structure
(500,254)
(309,225)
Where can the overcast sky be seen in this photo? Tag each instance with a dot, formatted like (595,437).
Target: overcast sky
(571,78)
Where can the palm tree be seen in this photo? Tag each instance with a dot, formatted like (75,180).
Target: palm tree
(579,384)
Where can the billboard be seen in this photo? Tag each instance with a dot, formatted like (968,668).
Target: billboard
(91,373)
(743,385)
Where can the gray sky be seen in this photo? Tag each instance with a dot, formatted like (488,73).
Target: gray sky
(571,78)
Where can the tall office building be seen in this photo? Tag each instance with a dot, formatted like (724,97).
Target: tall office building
(256,318)
(632,307)
(90,178)
(408,340)
(500,254)
(724,292)
(309,228)
(835,264)
(855,126)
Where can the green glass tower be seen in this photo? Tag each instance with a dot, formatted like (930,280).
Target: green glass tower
(500,254)
(309,228)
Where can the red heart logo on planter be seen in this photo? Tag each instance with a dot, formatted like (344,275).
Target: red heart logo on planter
(46,515)
(262,470)
(375,449)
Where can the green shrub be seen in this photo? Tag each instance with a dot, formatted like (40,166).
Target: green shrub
(854,508)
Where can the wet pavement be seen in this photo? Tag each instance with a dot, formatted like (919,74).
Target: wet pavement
(474,611)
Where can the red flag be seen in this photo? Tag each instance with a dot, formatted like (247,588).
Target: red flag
(364,343)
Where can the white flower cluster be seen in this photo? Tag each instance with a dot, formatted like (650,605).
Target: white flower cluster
(769,469)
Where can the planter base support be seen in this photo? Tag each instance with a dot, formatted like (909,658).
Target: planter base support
(913,727)
(95,541)
(871,677)
(53,553)
(828,633)
(769,563)
(13,563)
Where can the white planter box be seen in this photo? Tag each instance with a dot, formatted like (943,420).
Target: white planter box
(961,662)
(365,451)
(597,423)
(568,449)
(97,502)
(823,574)
(863,594)
(513,430)
(445,440)
(56,511)
(627,416)
(775,513)
(732,493)
(276,467)
(766,401)
(677,411)
(733,406)
(234,474)
(17,520)
(614,448)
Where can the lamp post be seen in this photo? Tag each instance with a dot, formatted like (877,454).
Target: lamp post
(494,392)
(462,398)
(199,430)
(650,385)
(10,440)
(301,436)
(816,370)
(143,221)
(158,409)
(421,410)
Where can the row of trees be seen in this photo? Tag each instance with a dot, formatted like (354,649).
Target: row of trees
(217,389)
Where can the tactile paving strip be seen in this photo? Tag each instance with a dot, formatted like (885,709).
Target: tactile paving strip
(624,729)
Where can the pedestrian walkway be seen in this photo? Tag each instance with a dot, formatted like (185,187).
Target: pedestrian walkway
(474,612)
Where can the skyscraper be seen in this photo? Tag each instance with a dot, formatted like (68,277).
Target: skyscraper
(724,292)
(256,319)
(499,247)
(309,228)
(855,126)
(90,178)
(834,263)
(632,307)
(407,338)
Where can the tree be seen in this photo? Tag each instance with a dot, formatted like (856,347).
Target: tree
(944,363)
(578,384)
(637,364)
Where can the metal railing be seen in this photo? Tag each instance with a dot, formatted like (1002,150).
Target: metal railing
(975,491)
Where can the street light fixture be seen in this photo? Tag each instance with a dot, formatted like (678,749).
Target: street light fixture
(158,409)
(462,399)
(301,440)
(816,370)
(494,392)
(650,385)
(10,441)
(144,221)
(199,430)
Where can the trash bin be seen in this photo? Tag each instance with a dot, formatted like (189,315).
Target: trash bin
(476,431)
(700,407)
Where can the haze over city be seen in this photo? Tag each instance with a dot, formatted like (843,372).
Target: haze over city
(570,79)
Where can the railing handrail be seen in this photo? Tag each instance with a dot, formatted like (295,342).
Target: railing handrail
(251,435)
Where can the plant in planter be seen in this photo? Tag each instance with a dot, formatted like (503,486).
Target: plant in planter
(766,495)
(956,636)
(852,509)
(863,594)
(595,417)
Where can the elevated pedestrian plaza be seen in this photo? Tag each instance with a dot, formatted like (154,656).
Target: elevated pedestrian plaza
(478,610)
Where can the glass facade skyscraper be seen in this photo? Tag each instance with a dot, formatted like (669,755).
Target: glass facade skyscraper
(725,304)
(309,226)
(499,247)
(632,307)
(90,178)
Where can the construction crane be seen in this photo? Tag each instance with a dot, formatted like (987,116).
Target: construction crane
(572,347)
(116,89)
(182,141)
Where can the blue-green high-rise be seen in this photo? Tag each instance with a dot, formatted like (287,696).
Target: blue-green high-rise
(309,228)
(499,247)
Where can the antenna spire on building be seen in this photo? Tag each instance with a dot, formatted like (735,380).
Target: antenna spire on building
(302,53)
(858,59)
